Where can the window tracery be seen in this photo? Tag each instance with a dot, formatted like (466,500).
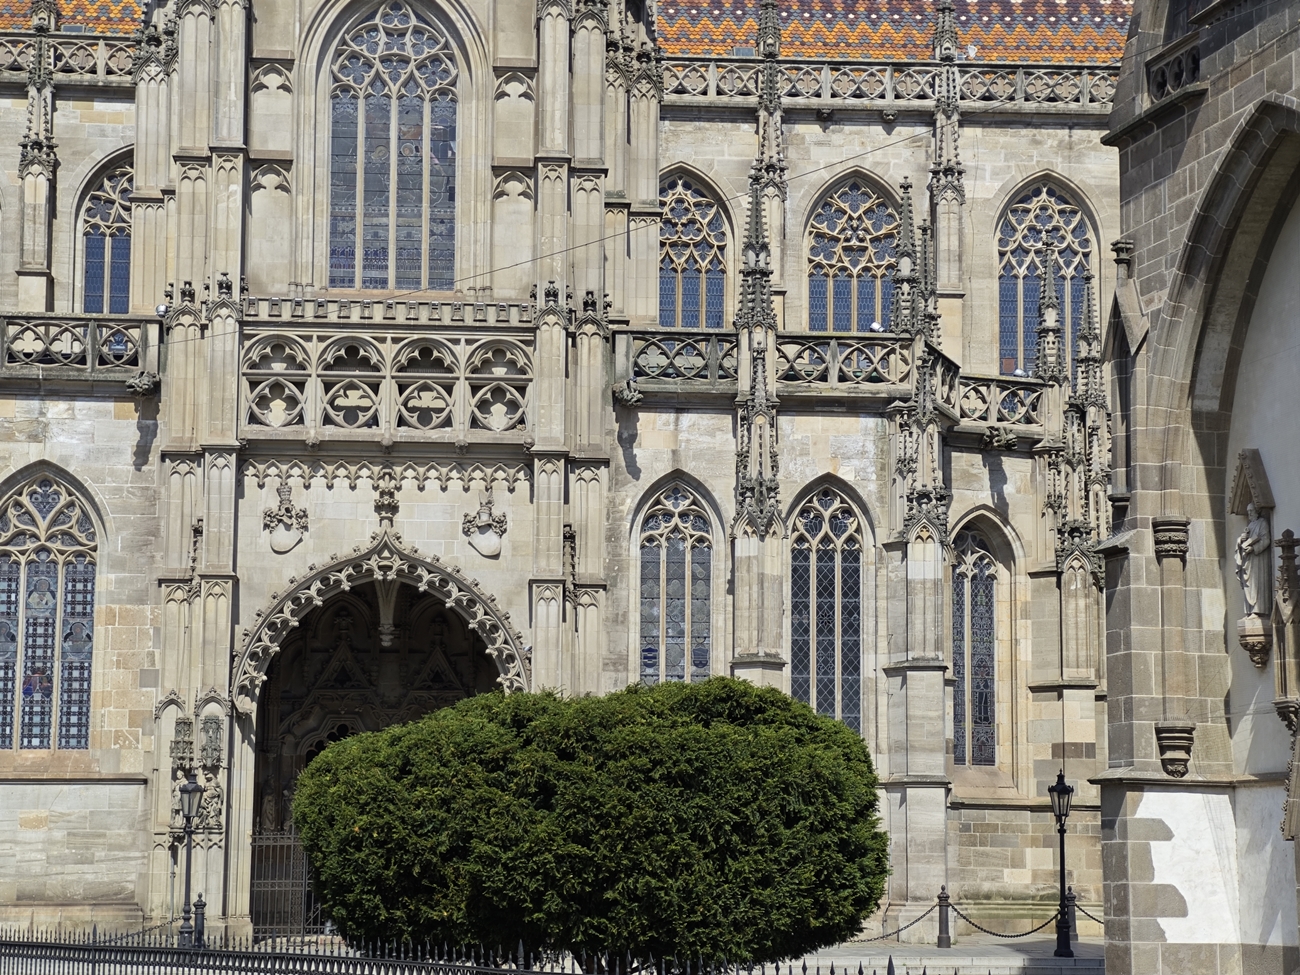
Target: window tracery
(106,243)
(826,608)
(852,254)
(974,651)
(692,257)
(676,589)
(393,155)
(1043,217)
(47,616)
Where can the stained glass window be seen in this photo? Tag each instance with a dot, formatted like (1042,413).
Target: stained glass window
(826,608)
(692,257)
(676,588)
(47,617)
(1044,217)
(974,652)
(393,155)
(106,239)
(852,253)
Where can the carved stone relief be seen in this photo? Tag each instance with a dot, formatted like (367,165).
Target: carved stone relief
(484,529)
(285,522)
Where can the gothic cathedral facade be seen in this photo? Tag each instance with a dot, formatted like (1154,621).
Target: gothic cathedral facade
(360,356)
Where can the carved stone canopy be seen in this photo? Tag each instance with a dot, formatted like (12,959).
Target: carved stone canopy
(385,560)
(1250,484)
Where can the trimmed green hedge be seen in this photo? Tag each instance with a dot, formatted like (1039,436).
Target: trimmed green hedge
(710,820)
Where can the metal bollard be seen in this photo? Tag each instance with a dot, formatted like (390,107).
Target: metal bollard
(945,938)
(199,908)
(1070,898)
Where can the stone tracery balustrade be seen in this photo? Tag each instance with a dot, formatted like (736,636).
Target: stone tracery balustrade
(682,356)
(888,83)
(828,362)
(1001,400)
(393,383)
(73,347)
(105,59)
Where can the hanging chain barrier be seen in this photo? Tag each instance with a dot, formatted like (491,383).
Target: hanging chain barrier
(1079,907)
(894,934)
(1024,934)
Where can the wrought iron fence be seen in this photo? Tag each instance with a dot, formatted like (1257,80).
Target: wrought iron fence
(283,902)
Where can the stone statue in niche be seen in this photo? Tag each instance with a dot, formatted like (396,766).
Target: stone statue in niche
(484,529)
(211,808)
(1253,555)
(1254,548)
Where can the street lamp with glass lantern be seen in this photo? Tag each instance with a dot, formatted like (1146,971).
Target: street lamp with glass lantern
(191,794)
(1061,795)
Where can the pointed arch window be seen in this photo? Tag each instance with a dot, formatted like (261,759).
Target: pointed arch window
(1043,217)
(826,608)
(852,254)
(692,257)
(47,617)
(393,155)
(106,245)
(676,589)
(974,651)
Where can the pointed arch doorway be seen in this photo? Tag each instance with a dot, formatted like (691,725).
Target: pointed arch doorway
(377,654)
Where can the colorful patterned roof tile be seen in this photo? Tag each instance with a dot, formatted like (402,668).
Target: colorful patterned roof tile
(77,16)
(1021,31)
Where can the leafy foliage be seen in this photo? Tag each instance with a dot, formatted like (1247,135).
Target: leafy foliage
(709,820)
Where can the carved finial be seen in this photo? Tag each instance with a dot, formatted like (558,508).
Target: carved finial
(225,287)
(945,33)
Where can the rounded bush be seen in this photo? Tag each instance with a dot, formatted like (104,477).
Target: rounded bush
(708,821)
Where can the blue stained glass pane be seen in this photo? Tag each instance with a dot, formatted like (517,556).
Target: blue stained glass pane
(800,624)
(667,296)
(817,303)
(1076,306)
(408,207)
(675,608)
(10,572)
(377,201)
(714,285)
(842,303)
(78,636)
(983,716)
(343,192)
(39,610)
(851,636)
(825,624)
(959,668)
(442,194)
(119,277)
(650,563)
(866,302)
(1008,323)
(691,297)
(93,301)
(1030,286)
(701,566)
(886,300)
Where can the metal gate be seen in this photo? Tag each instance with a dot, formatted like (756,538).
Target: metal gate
(283,904)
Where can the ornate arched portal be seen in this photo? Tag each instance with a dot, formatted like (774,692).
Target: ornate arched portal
(379,637)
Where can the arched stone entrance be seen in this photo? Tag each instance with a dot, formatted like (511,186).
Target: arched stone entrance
(380,637)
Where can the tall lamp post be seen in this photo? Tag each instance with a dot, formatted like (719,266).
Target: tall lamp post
(1061,795)
(191,795)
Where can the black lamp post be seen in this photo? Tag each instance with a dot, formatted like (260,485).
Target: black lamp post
(191,795)
(1061,795)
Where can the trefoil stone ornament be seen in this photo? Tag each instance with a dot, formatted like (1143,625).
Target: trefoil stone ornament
(285,522)
(484,528)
